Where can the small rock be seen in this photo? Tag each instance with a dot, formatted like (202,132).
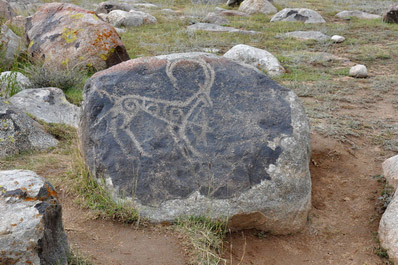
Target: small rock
(356,13)
(391,16)
(256,57)
(168,11)
(359,71)
(306,35)
(232,13)
(215,19)
(120,18)
(337,38)
(390,171)
(148,18)
(257,6)
(31,229)
(298,14)
(47,104)
(145,5)
(107,7)
(388,230)
(18,132)
(218,28)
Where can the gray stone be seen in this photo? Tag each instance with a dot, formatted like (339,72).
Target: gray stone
(31,229)
(10,44)
(107,7)
(388,230)
(218,28)
(356,13)
(257,6)
(119,18)
(256,57)
(359,71)
(6,11)
(233,13)
(390,171)
(26,7)
(146,6)
(307,57)
(305,35)
(337,38)
(391,16)
(215,19)
(198,134)
(147,18)
(19,133)
(298,14)
(15,79)
(169,11)
(47,104)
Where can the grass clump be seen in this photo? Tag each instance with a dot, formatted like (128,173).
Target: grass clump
(204,238)
(75,258)
(9,85)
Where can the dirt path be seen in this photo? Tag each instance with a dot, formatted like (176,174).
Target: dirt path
(109,243)
(342,220)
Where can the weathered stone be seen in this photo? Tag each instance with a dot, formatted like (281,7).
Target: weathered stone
(306,57)
(26,7)
(198,134)
(10,45)
(107,7)
(359,71)
(391,16)
(257,6)
(47,104)
(218,28)
(337,38)
(215,19)
(388,230)
(256,57)
(31,229)
(14,79)
(67,36)
(390,171)
(19,133)
(356,13)
(18,21)
(147,18)
(298,14)
(6,11)
(305,35)
(119,18)
(146,6)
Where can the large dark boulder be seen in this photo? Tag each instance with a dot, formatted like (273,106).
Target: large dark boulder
(391,16)
(65,36)
(31,229)
(197,134)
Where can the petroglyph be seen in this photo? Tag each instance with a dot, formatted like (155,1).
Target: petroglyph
(182,117)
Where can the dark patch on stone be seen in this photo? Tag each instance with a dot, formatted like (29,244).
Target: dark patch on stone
(391,16)
(119,55)
(44,192)
(42,206)
(291,12)
(50,98)
(15,193)
(299,17)
(77,45)
(221,151)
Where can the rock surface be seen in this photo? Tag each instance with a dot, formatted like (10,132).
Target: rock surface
(306,35)
(218,28)
(19,133)
(47,104)
(298,14)
(234,2)
(198,134)
(215,18)
(337,38)
(148,18)
(6,11)
(390,171)
(255,57)
(67,36)
(257,6)
(10,44)
(391,16)
(120,18)
(356,13)
(232,13)
(107,7)
(388,230)
(359,71)
(31,229)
